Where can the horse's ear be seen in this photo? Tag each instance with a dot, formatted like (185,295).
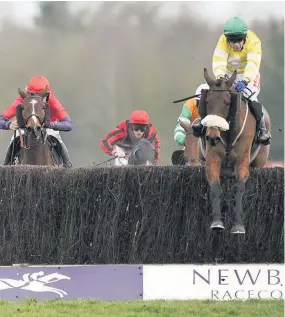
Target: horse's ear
(232,79)
(208,79)
(46,98)
(22,93)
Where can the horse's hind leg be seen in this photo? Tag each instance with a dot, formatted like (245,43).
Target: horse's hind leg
(261,157)
(242,173)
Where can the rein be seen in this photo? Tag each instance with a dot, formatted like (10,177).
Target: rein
(21,137)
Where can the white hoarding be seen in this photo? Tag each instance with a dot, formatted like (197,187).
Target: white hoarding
(213,282)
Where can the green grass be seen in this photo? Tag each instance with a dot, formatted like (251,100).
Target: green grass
(88,308)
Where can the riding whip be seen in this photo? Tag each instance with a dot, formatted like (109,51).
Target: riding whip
(187,98)
(111,159)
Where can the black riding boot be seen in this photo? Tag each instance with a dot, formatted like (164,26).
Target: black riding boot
(8,158)
(9,155)
(65,156)
(197,128)
(263,135)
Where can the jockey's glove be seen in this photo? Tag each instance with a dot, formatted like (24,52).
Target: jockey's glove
(49,125)
(240,85)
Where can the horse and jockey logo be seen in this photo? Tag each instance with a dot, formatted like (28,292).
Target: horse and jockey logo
(35,282)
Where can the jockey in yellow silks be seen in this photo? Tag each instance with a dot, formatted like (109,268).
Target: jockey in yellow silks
(240,49)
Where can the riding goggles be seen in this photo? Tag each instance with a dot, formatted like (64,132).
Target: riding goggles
(235,39)
(139,127)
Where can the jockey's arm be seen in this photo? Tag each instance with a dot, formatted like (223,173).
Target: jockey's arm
(4,123)
(220,57)
(156,142)
(254,55)
(63,123)
(185,116)
(9,113)
(113,137)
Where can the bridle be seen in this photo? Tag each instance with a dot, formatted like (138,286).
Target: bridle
(43,135)
(229,147)
(42,121)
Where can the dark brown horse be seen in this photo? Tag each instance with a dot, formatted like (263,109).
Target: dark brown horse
(142,153)
(190,155)
(228,146)
(32,115)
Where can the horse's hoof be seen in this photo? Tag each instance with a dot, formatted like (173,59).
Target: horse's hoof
(217,225)
(238,229)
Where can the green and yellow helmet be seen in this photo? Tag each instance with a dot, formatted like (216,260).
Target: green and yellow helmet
(235,28)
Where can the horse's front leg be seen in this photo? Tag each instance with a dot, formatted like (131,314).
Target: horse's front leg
(213,168)
(242,173)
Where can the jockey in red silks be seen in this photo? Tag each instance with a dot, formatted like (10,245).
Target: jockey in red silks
(59,118)
(119,141)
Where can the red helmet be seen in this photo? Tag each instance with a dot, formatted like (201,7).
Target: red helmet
(139,117)
(38,83)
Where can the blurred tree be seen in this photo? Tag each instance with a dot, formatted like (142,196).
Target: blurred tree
(56,15)
(128,56)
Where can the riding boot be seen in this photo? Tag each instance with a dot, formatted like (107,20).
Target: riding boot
(65,156)
(8,157)
(197,128)
(263,135)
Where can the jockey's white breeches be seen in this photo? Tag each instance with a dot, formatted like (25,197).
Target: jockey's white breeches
(120,161)
(49,132)
(252,87)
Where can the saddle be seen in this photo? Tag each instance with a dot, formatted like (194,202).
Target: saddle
(14,149)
